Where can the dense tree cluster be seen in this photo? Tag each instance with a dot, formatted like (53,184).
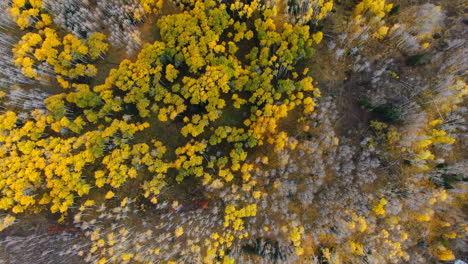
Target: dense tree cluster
(213,144)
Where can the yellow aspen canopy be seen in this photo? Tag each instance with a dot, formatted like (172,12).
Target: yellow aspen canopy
(243,131)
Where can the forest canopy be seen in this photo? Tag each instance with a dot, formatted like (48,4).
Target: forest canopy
(210,131)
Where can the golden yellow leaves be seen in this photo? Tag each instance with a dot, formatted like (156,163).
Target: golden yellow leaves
(425,155)
(422,147)
(182,31)
(238,102)
(8,121)
(45,21)
(234,217)
(268,123)
(245,10)
(296,238)
(257,195)
(26,13)
(279,141)
(6,203)
(372,11)
(21,50)
(381,32)
(189,160)
(179,231)
(171,72)
(439,137)
(97,45)
(61,54)
(151,6)
(327,7)
(356,248)
(126,256)
(226,174)
(6,221)
(357,223)
(109,195)
(144,83)
(61,169)
(379,8)
(313,10)
(379,207)
(309,105)
(423,217)
(317,37)
(442,252)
